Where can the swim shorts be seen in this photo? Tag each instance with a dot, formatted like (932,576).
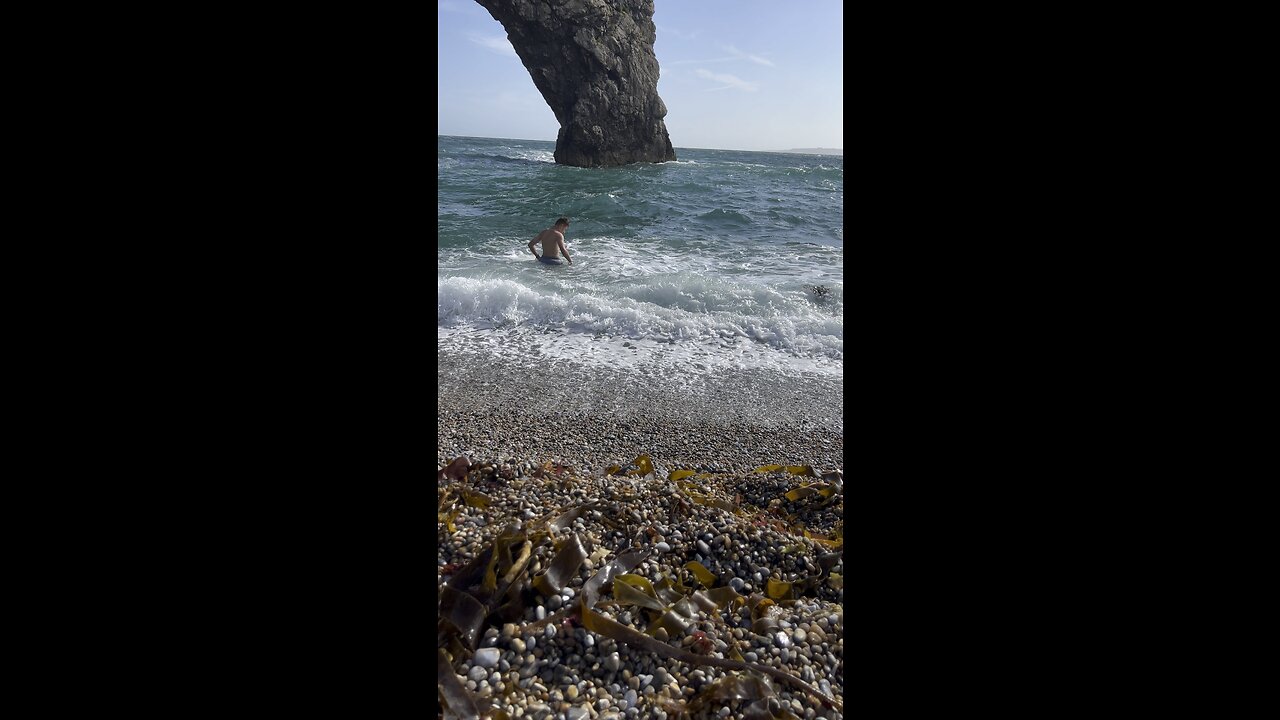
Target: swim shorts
(550,261)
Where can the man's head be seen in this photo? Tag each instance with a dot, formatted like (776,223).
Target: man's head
(562,223)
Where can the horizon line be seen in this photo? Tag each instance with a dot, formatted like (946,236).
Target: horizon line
(685,147)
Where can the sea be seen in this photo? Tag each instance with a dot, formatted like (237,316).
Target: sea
(717,262)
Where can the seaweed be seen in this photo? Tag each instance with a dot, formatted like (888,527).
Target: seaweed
(618,632)
(563,567)
(453,696)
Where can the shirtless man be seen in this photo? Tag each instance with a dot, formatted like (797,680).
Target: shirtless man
(552,240)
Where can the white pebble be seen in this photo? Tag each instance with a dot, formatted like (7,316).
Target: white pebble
(540,613)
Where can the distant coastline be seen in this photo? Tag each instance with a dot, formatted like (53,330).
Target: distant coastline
(816,151)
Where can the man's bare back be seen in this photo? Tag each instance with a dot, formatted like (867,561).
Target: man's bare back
(552,240)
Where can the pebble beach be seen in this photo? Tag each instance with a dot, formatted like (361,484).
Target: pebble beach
(618,586)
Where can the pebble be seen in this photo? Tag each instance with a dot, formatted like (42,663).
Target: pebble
(576,665)
(487,657)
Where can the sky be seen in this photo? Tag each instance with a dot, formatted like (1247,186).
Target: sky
(735,75)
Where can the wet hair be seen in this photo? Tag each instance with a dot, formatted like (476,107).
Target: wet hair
(562,221)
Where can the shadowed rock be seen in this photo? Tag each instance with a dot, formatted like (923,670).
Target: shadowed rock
(593,62)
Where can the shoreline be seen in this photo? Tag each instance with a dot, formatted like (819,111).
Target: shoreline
(590,417)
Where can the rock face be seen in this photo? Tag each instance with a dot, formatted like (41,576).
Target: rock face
(593,62)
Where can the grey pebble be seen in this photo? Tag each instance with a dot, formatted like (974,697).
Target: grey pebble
(477,674)
(799,635)
(737,583)
(578,712)
(612,663)
(704,548)
(487,657)
(554,602)
(629,699)
(540,613)
(663,547)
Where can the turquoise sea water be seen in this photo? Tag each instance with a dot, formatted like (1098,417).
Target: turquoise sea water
(719,260)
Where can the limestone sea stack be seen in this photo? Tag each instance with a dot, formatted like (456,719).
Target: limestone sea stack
(593,62)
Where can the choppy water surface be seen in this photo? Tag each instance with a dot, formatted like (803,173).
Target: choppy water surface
(719,260)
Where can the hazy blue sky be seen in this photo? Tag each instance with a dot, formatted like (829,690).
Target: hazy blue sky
(736,75)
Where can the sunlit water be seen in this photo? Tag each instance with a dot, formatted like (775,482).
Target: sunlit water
(720,260)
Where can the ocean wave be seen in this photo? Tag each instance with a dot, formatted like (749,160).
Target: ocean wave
(663,313)
(729,218)
(536,157)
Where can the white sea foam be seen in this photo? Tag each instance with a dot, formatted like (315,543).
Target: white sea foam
(681,321)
